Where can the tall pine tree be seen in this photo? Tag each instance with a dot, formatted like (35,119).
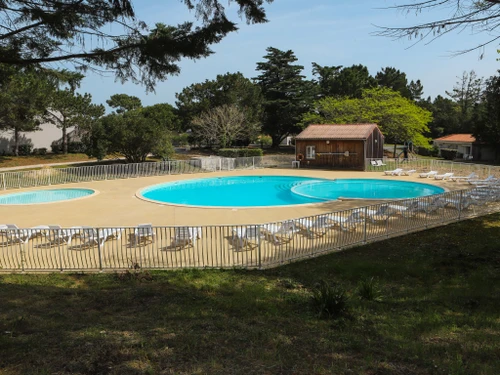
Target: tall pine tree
(286,94)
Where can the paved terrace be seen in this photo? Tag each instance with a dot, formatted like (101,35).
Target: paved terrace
(117,204)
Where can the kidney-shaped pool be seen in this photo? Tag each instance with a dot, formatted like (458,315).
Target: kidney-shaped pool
(266,191)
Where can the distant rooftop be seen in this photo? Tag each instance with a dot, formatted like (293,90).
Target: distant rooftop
(337,131)
(462,138)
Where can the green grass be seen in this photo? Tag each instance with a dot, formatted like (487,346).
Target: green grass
(438,313)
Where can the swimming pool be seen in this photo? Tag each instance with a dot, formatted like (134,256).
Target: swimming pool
(265,191)
(45,196)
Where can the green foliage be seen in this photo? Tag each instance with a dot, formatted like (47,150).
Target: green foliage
(25,149)
(287,95)
(330,301)
(369,289)
(240,152)
(399,119)
(123,102)
(393,79)
(487,116)
(38,32)
(68,108)
(24,97)
(351,81)
(133,134)
(264,140)
(448,154)
(39,151)
(228,89)
(428,151)
(180,139)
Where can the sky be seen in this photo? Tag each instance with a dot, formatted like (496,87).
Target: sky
(328,32)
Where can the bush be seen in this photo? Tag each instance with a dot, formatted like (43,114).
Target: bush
(76,148)
(368,289)
(181,139)
(428,151)
(330,301)
(56,147)
(448,154)
(240,152)
(39,151)
(25,150)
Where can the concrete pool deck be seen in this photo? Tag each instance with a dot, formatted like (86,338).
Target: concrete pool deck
(118,205)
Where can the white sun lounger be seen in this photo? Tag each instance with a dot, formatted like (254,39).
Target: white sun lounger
(443,176)
(428,174)
(248,236)
(14,234)
(143,232)
(395,172)
(281,232)
(468,178)
(408,172)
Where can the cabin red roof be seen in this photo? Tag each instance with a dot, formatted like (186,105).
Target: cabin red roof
(461,138)
(337,131)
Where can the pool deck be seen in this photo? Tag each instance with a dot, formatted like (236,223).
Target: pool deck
(117,203)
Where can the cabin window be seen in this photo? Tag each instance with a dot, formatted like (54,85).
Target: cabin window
(310,152)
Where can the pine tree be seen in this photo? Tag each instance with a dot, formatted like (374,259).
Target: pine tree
(286,94)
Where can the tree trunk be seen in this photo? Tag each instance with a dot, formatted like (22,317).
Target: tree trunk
(276,141)
(16,142)
(64,140)
(395,150)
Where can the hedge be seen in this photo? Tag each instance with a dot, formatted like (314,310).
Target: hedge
(240,152)
(448,154)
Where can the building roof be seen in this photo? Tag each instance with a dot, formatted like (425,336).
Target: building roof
(337,131)
(459,138)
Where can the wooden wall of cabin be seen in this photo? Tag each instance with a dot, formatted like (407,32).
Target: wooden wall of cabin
(331,155)
(375,145)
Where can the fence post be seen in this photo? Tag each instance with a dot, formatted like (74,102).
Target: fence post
(365,216)
(260,255)
(169,167)
(220,164)
(253,162)
(460,205)
(19,179)
(4,184)
(49,172)
(99,249)
(106,172)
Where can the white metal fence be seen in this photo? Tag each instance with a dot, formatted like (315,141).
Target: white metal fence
(227,246)
(58,176)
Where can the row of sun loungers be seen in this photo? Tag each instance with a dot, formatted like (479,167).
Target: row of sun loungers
(249,236)
(472,178)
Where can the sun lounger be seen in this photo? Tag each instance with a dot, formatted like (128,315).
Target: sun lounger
(349,222)
(408,172)
(144,232)
(468,178)
(380,163)
(281,232)
(488,180)
(14,234)
(318,226)
(395,172)
(428,174)
(56,234)
(443,176)
(383,213)
(98,237)
(247,237)
(186,236)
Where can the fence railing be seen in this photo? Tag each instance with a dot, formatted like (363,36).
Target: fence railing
(227,246)
(442,166)
(57,176)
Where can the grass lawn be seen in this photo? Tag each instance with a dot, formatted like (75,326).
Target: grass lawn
(19,161)
(438,313)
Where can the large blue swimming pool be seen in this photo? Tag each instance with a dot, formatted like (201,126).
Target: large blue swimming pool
(45,196)
(263,191)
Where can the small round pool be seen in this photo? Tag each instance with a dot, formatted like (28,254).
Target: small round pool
(45,196)
(265,191)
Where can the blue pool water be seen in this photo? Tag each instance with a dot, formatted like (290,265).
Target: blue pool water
(44,196)
(261,191)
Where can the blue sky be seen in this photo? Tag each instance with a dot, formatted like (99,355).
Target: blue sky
(328,32)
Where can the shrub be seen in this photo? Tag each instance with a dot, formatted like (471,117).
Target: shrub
(56,147)
(42,151)
(368,289)
(428,151)
(330,301)
(448,154)
(76,147)
(240,152)
(25,150)
(181,139)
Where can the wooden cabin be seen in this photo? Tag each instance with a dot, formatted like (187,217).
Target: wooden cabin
(339,146)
